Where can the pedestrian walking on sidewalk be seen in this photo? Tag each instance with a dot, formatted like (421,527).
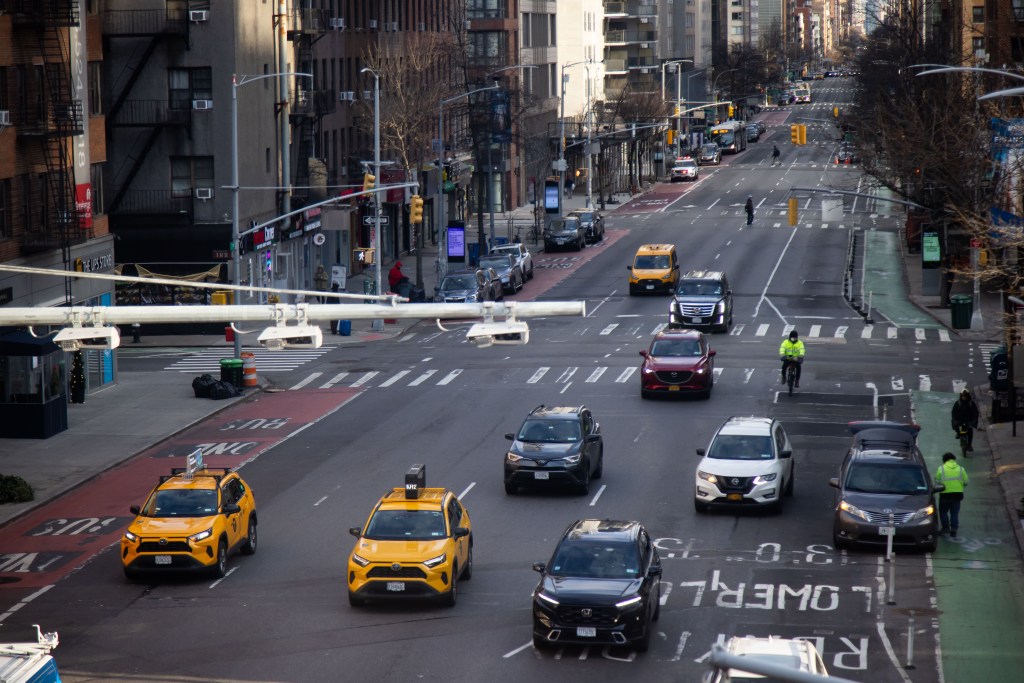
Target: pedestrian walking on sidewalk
(320,282)
(749,208)
(954,477)
(775,155)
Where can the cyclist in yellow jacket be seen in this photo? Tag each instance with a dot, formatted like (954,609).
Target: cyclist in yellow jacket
(954,477)
(792,351)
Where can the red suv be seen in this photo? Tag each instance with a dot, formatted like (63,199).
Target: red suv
(678,361)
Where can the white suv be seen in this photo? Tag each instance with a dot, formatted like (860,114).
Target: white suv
(749,462)
(796,654)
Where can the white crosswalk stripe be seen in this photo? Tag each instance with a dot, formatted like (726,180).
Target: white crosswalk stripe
(537,375)
(208,360)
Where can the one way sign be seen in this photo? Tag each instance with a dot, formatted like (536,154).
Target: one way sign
(368,220)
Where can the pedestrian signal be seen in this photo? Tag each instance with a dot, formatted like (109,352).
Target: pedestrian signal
(416,209)
(362,255)
(793,208)
(369,181)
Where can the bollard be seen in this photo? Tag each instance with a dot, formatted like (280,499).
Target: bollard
(892,582)
(249,379)
(136,339)
(910,643)
(867,312)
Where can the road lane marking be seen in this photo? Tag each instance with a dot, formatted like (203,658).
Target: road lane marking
(815,331)
(841,331)
(306,381)
(516,651)
(468,489)
(596,374)
(364,379)
(565,388)
(944,335)
(866,332)
(598,494)
(567,374)
(334,380)
(626,374)
(892,332)
(762,329)
(609,329)
(397,376)
(919,333)
(317,504)
(24,601)
(449,377)
(537,375)
(737,330)
(217,582)
(422,378)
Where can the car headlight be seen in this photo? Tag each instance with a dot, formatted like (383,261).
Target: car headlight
(647,370)
(707,476)
(130,536)
(512,457)
(701,370)
(629,602)
(361,561)
(434,561)
(201,536)
(720,306)
(923,513)
(548,599)
(853,510)
(764,478)
(571,459)
(472,297)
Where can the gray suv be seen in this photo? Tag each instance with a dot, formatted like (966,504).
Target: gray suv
(884,488)
(564,232)
(505,265)
(703,300)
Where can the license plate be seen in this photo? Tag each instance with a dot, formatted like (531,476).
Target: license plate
(886,531)
(162,559)
(673,388)
(396,586)
(650,286)
(734,496)
(586,632)
(540,475)
(698,321)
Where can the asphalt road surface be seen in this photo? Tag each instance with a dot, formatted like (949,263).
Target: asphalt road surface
(349,423)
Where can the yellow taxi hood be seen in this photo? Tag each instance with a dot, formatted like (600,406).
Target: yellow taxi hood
(400,551)
(170,526)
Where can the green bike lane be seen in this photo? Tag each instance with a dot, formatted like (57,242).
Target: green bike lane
(979,576)
(882,278)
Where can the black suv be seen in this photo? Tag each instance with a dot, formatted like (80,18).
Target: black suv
(557,445)
(564,232)
(884,488)
(593,224)
(702,299)
(602,586)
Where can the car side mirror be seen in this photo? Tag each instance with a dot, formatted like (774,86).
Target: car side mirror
(938,488)
(593,437)
(355,531)
(834,482)
(539,567)
(135,510)
(437,289)
(712,353)
(786,453)
(460,531)
(644,353)
(510,436)
(629,268)
(232,509)
(654,570)
(728,292)
(701,452)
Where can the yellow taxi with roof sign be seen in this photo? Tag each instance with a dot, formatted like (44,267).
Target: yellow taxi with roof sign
(417,542)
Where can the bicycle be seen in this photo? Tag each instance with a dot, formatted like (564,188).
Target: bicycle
(790,375)
(963,435)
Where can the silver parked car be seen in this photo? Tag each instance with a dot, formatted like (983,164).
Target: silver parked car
(521,254)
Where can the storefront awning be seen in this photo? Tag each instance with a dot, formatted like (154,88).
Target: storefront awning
(21,343)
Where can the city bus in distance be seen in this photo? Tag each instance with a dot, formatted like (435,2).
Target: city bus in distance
(731,136)
(802,93)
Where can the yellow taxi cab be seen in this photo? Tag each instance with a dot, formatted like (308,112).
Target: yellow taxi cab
(417,542)
(655,268)
(192,521)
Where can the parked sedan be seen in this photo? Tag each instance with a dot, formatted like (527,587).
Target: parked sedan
(469,287)
(593,225)
(508,270)
(520,253)
(677,362)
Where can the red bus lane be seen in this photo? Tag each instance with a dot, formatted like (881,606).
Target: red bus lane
(551,267)
(59,537)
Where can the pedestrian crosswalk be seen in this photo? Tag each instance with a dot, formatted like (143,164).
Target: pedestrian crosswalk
(587,376)
(208,360)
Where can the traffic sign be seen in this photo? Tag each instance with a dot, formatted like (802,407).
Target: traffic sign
(975,243)
(368,220)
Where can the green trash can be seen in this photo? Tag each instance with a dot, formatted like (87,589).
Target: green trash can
(231,371)
(962,308)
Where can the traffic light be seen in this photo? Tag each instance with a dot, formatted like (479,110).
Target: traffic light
(803,134)
(794,133)
(732,110)
(369,182)
(835,112)
(416,209)
(671,137)
(362,255)
(793,208)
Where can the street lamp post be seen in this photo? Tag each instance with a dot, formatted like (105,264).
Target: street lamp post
(490,145)
(561,153)
(378,251)
(677,63)
(236,247)
(688,100)
(442,251)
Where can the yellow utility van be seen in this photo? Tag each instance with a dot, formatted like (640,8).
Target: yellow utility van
(655,268)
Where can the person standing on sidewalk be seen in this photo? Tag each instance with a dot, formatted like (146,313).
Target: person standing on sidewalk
(320,282)
(749,208)
(965,412)
(954,477)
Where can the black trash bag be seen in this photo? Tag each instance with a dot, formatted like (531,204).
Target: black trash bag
(415,295)
(202,384)
(222,390)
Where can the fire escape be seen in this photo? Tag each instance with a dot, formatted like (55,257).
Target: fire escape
(148,28)
(308,105)
(57,118)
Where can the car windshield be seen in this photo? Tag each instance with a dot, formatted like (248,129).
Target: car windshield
(651,262)
(182,503)
(550,431)
(741,447)
(496,262)
(585,217)
(710,149)
(687,163)
(596,560)
(405,525)
(458,282)
(869,477)
(699,289)
(676,347)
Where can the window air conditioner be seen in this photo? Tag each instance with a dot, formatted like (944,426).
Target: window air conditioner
(422,26)
(393,26)
(337,23)
(367,95)
(346,96)
(5,117)
(198,15)
(202,104)
(204,193)
(372,23)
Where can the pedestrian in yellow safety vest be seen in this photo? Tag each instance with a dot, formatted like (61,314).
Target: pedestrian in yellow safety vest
(954,477)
